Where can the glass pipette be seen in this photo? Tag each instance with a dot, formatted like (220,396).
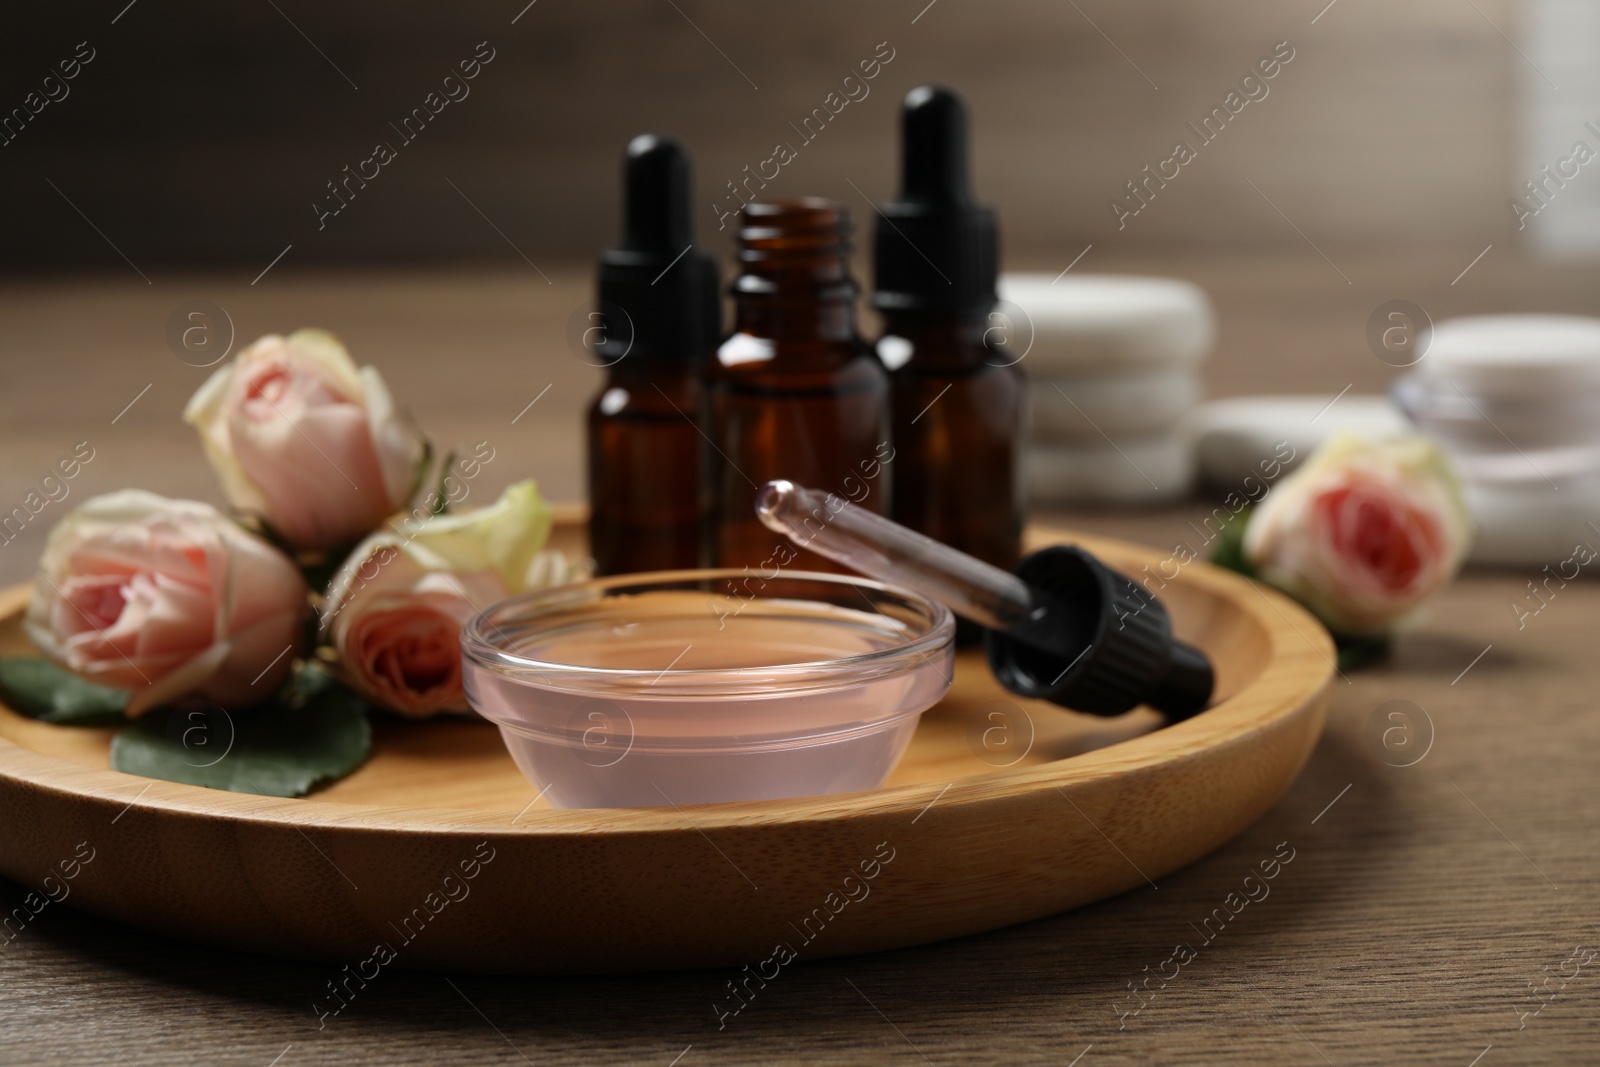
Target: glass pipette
(870,544)
(1064,627)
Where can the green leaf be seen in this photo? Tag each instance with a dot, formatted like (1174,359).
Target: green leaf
(40,690)
(308,683)
(1356,652)
(442,505)
(316,566)
(419,470)
(1229,553)
(314,733)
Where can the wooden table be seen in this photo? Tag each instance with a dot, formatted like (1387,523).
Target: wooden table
(1421,907)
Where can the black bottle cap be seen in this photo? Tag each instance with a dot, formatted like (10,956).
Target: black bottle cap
(1101,645)
(936,248)
(664,288)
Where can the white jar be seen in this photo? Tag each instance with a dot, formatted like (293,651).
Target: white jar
(1511,398)
(1514,400)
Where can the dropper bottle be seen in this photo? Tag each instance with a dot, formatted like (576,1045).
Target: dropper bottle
(1063,627)
(957,398)
(657,318)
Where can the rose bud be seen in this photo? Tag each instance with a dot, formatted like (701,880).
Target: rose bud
(307,441)
(396,607)
(167,598)
(1363,533)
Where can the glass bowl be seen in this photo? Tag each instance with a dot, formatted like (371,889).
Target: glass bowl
(693,687)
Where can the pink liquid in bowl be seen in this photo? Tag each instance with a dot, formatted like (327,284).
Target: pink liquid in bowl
(684,688)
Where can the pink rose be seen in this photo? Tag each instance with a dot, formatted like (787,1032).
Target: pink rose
(396,608)
(1363,533)
(168,598)
(302,437)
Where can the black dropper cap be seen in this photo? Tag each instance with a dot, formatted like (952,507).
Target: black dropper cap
(1100,645)
(667,288)
(936,248)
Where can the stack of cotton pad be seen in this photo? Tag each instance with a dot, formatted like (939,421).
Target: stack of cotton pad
(1515,401)
(1113,366)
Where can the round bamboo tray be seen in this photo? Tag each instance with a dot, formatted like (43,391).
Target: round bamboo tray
(1001,811)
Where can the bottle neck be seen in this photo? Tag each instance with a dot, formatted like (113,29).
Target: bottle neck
(637,370)
(955,338)
(795,283)
(814,306)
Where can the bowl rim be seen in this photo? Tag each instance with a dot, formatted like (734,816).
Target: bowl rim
(939,636)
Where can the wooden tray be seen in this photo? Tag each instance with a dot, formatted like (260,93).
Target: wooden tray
(952,845)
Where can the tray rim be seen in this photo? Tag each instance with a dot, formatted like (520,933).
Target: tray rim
(1283,688)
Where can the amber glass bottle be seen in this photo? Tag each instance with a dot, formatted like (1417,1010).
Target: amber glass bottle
(657,318)
(795,392)
(958,399)
(957,409)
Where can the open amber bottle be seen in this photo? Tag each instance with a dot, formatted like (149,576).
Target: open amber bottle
(795,392)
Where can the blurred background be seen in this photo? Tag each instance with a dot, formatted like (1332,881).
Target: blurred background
(203,135)
(191,153)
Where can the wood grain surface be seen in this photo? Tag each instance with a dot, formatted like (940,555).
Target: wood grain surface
(1422,905)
